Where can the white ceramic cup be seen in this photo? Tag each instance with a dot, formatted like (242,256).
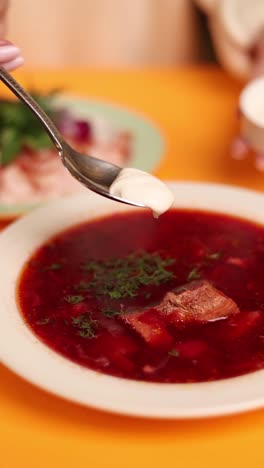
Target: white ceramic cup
(251,106)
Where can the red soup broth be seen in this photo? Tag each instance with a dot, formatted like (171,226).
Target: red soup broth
(76,288)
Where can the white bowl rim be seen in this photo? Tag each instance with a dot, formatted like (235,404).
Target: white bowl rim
(37,363)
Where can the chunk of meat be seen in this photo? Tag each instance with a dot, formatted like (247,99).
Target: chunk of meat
(150,326)
(198,301)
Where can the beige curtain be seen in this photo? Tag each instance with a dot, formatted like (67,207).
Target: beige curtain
(110,33)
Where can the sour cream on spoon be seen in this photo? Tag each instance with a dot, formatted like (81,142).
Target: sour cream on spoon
(140,187)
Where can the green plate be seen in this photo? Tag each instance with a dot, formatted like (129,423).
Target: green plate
(148,143)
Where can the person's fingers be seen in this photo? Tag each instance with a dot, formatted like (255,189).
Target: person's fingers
(13,64)
(206,5)
(8,52)
(242,20)
(3,6)
(239,149)
(235,59)
(3,14)
(10,55)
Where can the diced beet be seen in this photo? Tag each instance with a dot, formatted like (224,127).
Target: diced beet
(242,325)
(35,301)
(192,349)
(78,309)
(106,344)
(112,326)
(150,326)
(237,261)
(124,345)
(156,365)
(148,369)
(198,301)
(122,362)
(119,351)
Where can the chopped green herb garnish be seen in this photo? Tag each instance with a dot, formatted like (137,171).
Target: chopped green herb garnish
(174,353)
(88,333)
(85,326)
(122,277)
(194,274)
(53,266)
(82,286)
(213,256)
(10,144)
(111,313)
(74,299)
(180,289)
(19,128)
(43,321)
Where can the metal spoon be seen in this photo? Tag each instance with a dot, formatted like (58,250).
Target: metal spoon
(95,174)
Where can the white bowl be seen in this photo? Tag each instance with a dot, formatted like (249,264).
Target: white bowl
(25,354)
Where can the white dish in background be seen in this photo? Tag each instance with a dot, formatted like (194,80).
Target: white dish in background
(251,105)
(25,354)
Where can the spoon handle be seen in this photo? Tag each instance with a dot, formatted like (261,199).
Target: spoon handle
(33,106)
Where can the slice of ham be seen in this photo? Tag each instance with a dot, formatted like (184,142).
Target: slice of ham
(150,326)
(198,301)
(39,175)
(32,178)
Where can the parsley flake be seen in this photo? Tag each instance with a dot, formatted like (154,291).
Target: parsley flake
(110,313)
(82,286)
(74,299)
(43,321)
(85,326)
(180,289)
(194,274)
(53,266)
(122,277)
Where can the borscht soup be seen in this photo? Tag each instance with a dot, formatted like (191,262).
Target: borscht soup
(174,300)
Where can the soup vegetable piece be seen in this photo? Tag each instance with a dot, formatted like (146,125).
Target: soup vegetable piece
(178,299)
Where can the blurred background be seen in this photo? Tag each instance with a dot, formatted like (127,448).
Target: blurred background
(109,33)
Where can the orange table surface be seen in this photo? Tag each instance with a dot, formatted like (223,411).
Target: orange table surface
(195,109)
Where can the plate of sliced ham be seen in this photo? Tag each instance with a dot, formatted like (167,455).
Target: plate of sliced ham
(30,169)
